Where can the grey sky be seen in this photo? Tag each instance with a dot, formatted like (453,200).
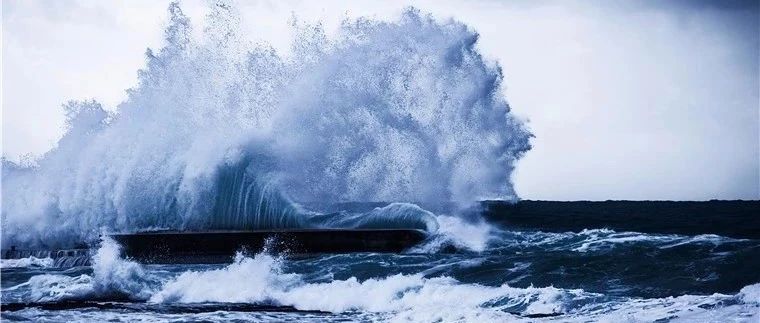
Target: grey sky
(627,100)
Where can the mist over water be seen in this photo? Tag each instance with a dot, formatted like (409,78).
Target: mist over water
(221,133)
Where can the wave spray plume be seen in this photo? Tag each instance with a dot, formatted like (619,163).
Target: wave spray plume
(220,133)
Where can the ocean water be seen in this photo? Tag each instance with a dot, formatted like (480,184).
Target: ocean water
(464,273)
(224,133)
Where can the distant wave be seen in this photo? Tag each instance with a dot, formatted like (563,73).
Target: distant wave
(222,133)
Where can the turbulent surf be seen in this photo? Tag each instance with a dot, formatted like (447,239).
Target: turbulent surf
(384,124)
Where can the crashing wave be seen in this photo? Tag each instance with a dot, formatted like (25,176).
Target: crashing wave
(222,133)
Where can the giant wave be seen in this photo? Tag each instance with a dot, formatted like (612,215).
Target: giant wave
(221,133)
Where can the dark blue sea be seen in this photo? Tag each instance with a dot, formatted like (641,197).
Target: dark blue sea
(465,272)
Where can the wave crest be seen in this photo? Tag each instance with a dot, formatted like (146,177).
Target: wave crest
(221,133)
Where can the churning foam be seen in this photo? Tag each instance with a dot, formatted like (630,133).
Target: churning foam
(460,234)
(30,261)
(591,240)
(261,280)
(255,280)
(220,133)
(112,278)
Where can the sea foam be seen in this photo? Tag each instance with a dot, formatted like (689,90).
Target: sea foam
(262,279)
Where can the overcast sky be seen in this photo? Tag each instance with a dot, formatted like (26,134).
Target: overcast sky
(626,100)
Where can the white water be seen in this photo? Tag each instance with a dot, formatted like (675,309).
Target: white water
(30,261)
(112,277)
(221,133)
(261,280)
(455,232)
(604,239)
